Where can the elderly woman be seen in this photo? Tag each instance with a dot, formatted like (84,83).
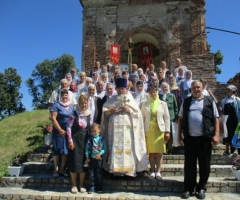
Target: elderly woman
(230,106)
(134,79)
(78,132)
(157,130)
(82,82)
(180,75)
(170,99)
(95,77)
(174,89)
(185,85)
(87,83)
(93,101)
(60,113)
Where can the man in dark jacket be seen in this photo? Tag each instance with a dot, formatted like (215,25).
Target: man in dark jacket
(198,120)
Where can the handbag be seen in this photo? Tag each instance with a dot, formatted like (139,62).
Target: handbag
(236,137)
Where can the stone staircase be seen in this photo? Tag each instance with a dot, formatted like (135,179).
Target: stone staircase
(37,176)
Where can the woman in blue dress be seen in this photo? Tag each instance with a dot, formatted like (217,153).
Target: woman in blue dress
(60,113)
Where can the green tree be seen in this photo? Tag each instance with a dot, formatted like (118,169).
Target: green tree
(218,58)
(10,98)
(46,77)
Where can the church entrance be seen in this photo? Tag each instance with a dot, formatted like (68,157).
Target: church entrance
(138,40)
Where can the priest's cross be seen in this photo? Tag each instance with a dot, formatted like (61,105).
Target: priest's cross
(125,100)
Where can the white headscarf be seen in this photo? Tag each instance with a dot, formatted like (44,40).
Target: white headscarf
(187,82)
(113,93)
(163,92)
(139,95)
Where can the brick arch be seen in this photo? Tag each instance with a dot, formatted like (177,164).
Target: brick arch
(158,34)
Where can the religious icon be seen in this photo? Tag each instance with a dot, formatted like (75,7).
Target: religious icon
(145,50)
(115,50)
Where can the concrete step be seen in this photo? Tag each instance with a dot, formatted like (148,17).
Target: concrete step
(116,183)
(64,194)
(167,169)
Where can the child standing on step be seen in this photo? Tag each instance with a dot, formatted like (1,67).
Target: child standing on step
(94,150)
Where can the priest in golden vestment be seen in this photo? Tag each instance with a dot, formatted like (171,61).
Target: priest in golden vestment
(123,130)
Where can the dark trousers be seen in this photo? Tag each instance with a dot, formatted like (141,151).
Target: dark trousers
(196,149)
(95,172)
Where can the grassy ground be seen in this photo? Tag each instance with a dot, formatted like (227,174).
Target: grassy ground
(20,134)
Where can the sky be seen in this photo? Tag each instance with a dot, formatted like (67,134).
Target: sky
(34,30)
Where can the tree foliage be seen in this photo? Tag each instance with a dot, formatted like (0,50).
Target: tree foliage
(218,58)
(46,77)
(10,98)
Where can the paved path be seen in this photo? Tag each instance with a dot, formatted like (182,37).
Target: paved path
(19,193)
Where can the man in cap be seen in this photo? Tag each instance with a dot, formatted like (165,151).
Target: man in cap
(123,128)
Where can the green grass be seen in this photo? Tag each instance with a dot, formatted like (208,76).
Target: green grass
(19,135)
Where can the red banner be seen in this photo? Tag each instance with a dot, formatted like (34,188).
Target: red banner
(114,53)
(146,54)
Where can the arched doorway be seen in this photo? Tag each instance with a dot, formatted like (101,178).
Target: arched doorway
(139,39)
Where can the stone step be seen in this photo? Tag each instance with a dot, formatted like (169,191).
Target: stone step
(40,157)
(116,183)
(64,194)
(38,168)
(217,159)
(167,169)
(44,154)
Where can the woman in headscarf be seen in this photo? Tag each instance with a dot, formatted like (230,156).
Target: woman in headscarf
(134,79)
(185,85)
(78,132)
(140,95)
(95,77)
(143,78)
(60,113)
(170,99)
(157,130)
(230,106)
(93,102)
(87,83)
(174,89)
(180,75)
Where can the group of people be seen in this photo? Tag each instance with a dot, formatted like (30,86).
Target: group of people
(113,119)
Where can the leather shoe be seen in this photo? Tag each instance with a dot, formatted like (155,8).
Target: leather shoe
(201,194)
(186,195)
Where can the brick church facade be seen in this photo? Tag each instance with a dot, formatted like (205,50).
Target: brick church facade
(174,28)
